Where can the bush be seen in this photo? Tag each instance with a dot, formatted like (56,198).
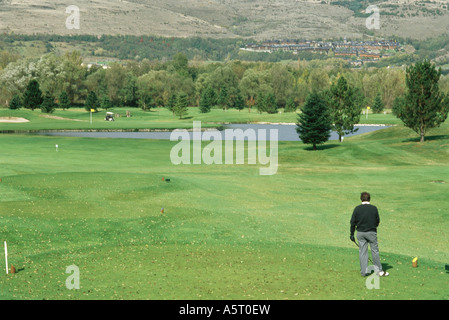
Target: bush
(16,102)
(48,104)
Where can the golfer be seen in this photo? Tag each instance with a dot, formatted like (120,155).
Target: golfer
(365,219)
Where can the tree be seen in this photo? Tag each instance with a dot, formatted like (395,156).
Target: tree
(225,83)
(391,83)
(282,82)
(96,81)
(115,79)
(270,103)
(129,91)
(49,69)
(318,80)
(261,104)
(378,105)
(15,103)
(32,97)
(223,98)
(207,100)
(265,99)
(64,101)
(105,103)
(48,104)
(162,84)
(423,107)
(180,64)
(181,105)
(239,102)
(17,75)
(91,101)
(345,104)
(290,105)
(314,123)
(172,103)
(250,86)
(72,76)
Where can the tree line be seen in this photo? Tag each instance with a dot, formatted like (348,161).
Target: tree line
(254,86)
(415,92)
(422,107)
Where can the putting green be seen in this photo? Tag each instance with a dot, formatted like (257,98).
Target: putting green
(226,232)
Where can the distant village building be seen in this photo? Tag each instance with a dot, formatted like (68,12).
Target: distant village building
(346,49)
(98,64)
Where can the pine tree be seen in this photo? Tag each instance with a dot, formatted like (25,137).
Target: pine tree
(181,105)
(91,101)
(32,97)
(423,107)
(15,103)
(345,104)
(48,104)
(207,100)
(129,91)
(290,105)
(261,104)
(238,101)
(64,101)
(171,103)
(105,103)
(314,123)
(270,103)
(378,105)
(223,98)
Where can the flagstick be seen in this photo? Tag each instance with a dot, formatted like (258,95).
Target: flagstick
(6,258)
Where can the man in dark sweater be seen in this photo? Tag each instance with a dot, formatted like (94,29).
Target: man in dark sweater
(365,219)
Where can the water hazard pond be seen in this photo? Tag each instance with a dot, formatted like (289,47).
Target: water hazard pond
(286,132)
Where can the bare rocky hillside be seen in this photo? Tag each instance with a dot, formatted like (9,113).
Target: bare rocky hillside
(259,19)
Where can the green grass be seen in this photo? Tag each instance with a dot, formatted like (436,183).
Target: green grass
(227,232)
(160,118)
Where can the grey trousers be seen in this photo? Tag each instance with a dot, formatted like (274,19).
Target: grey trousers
(365,239)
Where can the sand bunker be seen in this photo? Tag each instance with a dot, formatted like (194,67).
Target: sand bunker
(60,118)
(13,120)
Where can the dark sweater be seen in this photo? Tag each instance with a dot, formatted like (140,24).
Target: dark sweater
(365,218)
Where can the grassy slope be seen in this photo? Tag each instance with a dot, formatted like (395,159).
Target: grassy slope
(96,204)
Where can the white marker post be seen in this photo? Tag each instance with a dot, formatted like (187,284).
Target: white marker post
(6,257)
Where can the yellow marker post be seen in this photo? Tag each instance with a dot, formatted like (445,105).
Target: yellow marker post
(367,111)
(415,262)
(91,110)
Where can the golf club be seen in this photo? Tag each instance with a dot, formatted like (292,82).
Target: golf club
(369,259)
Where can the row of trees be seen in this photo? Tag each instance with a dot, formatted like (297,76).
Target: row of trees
(414,95)
(53,81)
(259,86)
(421,108)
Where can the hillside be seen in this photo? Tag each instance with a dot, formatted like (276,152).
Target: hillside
(264,19)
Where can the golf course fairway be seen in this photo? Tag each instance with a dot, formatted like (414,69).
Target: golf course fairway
(226,232)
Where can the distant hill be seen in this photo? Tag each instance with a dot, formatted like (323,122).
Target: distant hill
(258,19)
